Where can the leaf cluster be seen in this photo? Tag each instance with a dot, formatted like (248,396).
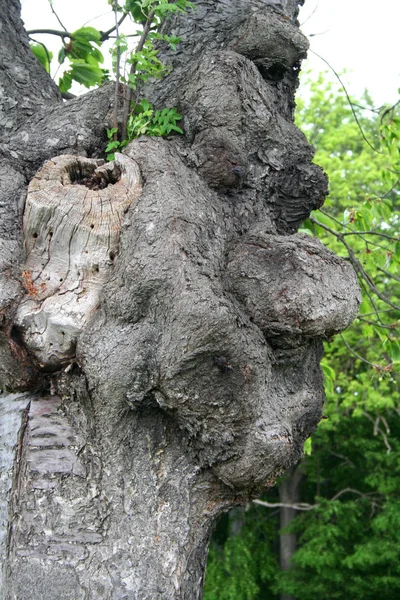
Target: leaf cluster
(145,120)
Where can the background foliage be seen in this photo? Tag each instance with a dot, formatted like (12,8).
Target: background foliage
(348,542)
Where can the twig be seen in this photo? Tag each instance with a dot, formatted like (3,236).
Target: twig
(375,324)
(377,429)
(61,34)
(364,360)
(349,101)
(139,47)
(347,491)
(298,506)
(117,75)
(382,310)
(44,48)
(356,264)
(390,109)
(309,16)
(391,275)
(56,15)
(104,35)
(391,189)
(305,506)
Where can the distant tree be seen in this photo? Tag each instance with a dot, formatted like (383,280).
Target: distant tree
(347,534)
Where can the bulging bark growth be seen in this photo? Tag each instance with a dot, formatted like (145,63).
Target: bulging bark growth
(166,359)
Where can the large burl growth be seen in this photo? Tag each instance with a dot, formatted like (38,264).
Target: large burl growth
(162,322)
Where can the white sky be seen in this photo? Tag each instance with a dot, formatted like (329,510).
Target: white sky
(360,36)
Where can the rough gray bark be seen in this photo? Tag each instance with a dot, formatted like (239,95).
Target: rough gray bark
(196,379)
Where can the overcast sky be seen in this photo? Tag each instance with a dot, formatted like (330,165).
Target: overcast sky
(358,35)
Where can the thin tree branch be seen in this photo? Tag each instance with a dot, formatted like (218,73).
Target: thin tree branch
(382,310)
(364,360)
(349,101)
(391,189)
(104,35)
(390,109)
(117,75)
(56,15)
(348,491)
(299,506)
(44,48)
(356,264)
(304,506)
(309,17)
(391,275)
(139,47)
(61,34)
(377,429)
(381,325)
(383,235)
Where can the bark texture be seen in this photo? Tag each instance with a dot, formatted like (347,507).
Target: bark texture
(194,378)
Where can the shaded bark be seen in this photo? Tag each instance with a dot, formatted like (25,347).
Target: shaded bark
(196,379)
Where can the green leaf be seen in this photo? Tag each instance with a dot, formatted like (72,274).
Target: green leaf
(307,447)
(43,55)
(89,34)
(61,55)
(83,73)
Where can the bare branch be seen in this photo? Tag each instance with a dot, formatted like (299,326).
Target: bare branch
(117,75)
(375,324)
(364,360)
(61,34)
(297,506)
(104,35)
(356,264)
(139,47)
(348,491)
(391,275)
(56,16)
(349,101)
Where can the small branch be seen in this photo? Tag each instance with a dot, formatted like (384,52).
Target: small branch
(390,109)
(381,325)
(367,292)
(364,360)
(344,458)
(309,16)
(382,310)
(356,264)
(391,275)
(117,75)
(299,506)
(304,506)
(104,35)
(383,235)
(349,101)
(348,491)
(377,429)
(68,95)
(139,47)
(392,188)
(44,48)
(61,34)
(56,15)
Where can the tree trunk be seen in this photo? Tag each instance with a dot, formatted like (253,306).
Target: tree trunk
(288,494)
(159,362)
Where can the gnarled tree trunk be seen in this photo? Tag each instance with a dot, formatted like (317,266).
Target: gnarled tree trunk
(159,353)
